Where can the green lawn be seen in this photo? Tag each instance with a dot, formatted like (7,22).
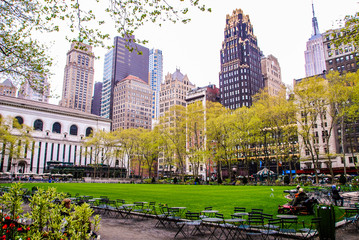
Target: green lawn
(194,197)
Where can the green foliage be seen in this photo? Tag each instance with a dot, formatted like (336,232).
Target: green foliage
(24,58)
(48,222)
(79,222)
(12,200)
(46,213)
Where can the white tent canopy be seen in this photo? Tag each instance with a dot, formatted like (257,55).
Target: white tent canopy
(265,171)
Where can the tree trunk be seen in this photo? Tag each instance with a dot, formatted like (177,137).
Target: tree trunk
(342,143)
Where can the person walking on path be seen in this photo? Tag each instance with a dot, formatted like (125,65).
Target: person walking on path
(336,196)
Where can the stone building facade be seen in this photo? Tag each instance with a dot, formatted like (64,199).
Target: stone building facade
(78,78)
(57,135)
(132,104)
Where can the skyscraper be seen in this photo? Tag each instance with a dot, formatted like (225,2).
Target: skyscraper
(96,99)
(155,78)
(78,78)
(132,104)
(120,63)
(272,75)
(240,76)
(314,55)
(174,90)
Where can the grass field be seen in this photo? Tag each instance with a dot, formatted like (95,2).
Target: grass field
(194,197)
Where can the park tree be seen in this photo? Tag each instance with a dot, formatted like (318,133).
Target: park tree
(246,130)
(172,127)
(342,96)
(103,146)
(23,57)
(128,140)
(196,135)
(219,131)
(310,98)
(149,148)
(14,138)
(277,120)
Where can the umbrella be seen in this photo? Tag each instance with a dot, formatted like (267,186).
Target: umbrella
(69,175)
(264,171)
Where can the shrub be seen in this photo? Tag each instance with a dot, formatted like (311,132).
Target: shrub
(147,180)
(48,222)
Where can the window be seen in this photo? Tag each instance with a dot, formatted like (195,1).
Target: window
(73,130)
(38,125)
(18,121)
(89,131)
(56,127)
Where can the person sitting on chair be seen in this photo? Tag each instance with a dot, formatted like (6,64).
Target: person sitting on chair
(302,196)
(336,196)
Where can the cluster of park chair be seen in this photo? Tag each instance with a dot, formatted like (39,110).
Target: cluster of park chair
(252,225)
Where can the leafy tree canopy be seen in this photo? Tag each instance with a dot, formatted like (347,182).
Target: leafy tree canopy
(24,58)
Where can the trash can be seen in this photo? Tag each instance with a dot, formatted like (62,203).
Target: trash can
(327,224)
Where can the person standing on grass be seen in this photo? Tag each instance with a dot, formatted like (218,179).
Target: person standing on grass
(336,196)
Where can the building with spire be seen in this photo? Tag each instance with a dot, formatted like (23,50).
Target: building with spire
(314,54)
(78,78)
(240,77)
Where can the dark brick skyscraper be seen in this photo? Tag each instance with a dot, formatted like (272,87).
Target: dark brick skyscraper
(240,76)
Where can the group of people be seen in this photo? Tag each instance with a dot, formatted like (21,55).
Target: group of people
(301,196)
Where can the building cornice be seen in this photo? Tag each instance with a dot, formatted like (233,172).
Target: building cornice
(49,108)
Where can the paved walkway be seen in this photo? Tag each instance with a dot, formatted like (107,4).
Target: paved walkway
(137,228)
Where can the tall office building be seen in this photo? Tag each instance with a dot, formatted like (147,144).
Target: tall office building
(314,55)
(174,91)
(155,78)
(120,63)
(27,92)
(272,75)
(240,76)
(78,78)
(96,99)
(132,104)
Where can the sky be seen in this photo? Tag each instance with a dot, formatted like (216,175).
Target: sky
(282,28)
